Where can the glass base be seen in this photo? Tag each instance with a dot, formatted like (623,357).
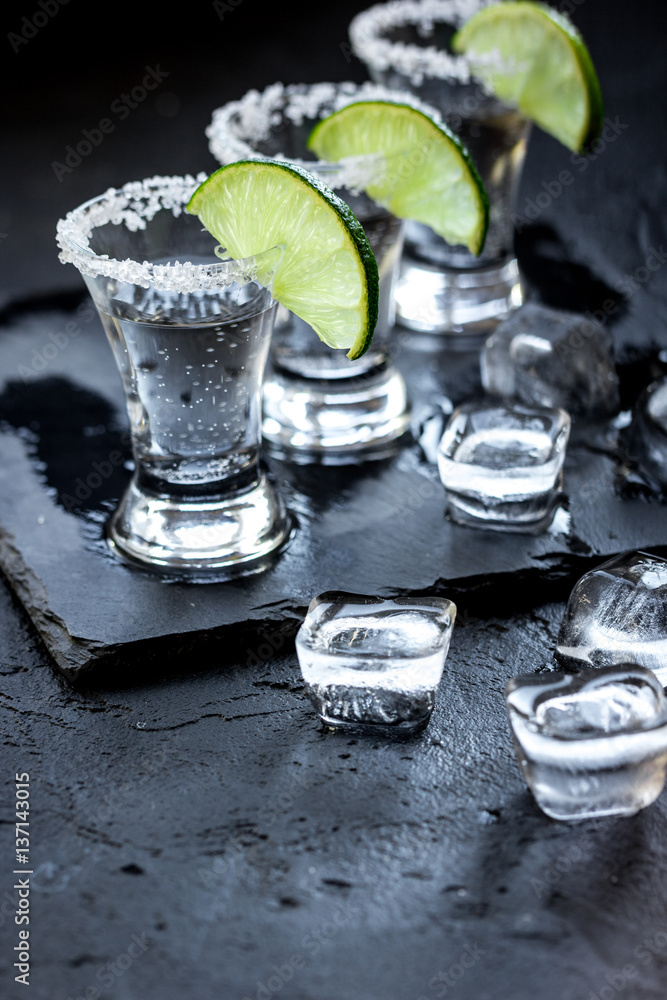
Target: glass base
(334,421)
(466,303)
(233,536)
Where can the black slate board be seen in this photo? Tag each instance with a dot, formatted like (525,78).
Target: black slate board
(379,527)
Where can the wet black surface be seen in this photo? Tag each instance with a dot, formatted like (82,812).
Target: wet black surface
(379,527)
(194,831)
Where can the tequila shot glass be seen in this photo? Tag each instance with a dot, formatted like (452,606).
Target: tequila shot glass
(190,336)
(318,406)
(444,289)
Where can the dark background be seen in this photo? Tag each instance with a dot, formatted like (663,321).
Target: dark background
(203,827)
(67,77)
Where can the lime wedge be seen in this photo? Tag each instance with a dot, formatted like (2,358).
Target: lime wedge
(427,174)
(533,58)
(328,275)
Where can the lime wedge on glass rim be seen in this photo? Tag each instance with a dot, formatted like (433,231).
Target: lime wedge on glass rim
(328,275)
(427,175)
(533,58)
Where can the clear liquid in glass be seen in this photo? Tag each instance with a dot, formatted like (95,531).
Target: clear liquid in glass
(193,391)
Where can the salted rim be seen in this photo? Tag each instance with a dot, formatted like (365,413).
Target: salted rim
(236,126)
(132,206)
(366,32)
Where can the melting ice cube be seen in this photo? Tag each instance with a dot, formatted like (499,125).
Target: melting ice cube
(592,744)
(617,613)
(374,660)
(501,465)
(550,357)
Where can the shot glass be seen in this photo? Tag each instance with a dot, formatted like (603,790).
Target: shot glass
(445,289)
(592,744)
(190,336)
(501,465)
(373,661)
(318,406)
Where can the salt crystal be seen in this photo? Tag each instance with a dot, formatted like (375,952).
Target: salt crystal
(368,32)
(133,206)
(239,128)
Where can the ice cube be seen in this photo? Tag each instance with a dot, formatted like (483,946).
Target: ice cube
(617,613)
(501,465)
(373,660)
(549,357)
(622,707)
(647,435)
(592,744)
